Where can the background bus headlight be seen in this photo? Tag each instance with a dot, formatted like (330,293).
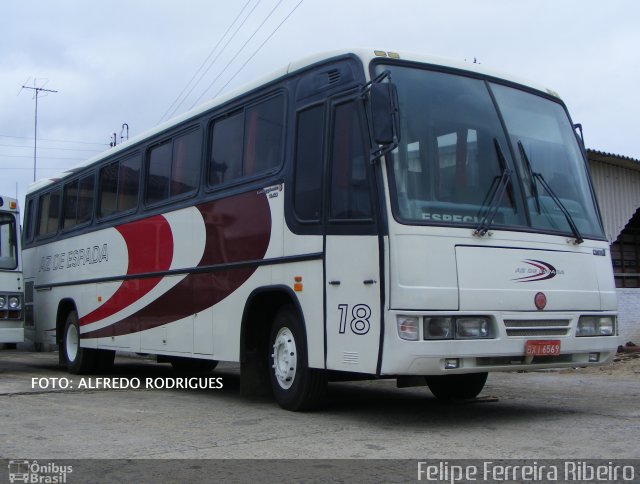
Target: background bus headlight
(14,302)
(3,302)
(473,328)
(408,327)
(438,328)
(596,326)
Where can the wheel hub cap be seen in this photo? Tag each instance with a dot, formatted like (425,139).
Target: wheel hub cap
(284,358)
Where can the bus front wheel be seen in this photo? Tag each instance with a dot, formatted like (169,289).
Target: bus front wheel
(78,360)
(295,385)
(456,387)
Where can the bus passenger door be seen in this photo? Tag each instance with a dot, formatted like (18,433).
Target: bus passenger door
(352,259)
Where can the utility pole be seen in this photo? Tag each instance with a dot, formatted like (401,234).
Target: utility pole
(37,90)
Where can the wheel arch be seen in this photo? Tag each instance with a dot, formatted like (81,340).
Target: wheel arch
(65,306)
(258,314)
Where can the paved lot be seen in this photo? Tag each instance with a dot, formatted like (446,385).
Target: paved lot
(570,414)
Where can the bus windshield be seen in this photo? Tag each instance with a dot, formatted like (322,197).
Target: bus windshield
(8,242)
(454,151)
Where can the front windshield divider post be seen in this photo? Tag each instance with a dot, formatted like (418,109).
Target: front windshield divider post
(532,179)
(491,209)
(495,194)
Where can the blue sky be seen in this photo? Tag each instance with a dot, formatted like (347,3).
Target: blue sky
(128,61)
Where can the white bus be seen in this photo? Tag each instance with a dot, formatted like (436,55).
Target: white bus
(11,288)
(359,214)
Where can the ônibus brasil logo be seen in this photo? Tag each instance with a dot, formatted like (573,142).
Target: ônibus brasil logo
(537,270)
(32,472)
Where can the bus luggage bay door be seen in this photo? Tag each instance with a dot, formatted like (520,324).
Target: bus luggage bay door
(352,303)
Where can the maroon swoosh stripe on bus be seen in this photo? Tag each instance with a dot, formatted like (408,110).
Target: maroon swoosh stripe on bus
(149,249)
(238,229)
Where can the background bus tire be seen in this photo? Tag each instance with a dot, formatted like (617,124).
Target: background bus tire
(192,365)
(456,387)
(306,386)
(77,360)
(105,360)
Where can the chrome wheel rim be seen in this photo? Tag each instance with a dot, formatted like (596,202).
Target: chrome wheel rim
(72,342)
(285,358)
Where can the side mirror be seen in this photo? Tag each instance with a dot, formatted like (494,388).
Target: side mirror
(384,113)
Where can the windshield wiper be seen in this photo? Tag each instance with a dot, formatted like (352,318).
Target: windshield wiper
(534,190)
(498,187)
(532,179)
(563,209)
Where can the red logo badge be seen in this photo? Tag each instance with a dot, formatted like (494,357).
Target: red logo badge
(540,300)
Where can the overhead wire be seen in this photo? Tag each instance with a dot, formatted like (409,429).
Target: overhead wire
(233,58)
(171,112)
(49,148)
(55,140)
(259,47)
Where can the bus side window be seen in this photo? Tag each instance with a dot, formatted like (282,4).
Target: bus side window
(225,163)
(119,185)
(158,173)
(350,195)
(48,210)
(185,174)
(70,205)
(29,221)
(307,196)
(173,168)
(128,184)
(85,198)
(263,136)
(77,202)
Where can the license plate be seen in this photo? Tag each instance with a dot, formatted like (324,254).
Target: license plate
(542,348)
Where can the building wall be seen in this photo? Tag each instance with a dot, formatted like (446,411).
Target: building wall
(629,315)
(618,192)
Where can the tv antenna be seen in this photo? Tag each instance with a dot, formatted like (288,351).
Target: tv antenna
(37,91)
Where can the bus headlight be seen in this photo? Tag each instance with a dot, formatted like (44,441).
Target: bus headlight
(460,327)
(596,326)
(408,327)
(475,327)
(14,302)
(438,328)
(3,302)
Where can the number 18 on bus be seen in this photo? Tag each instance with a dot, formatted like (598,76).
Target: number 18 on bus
(356,214)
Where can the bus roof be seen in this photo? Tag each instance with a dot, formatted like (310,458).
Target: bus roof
(366,55)
(8,204)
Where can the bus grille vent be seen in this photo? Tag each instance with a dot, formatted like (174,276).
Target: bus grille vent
(351,357)
(547,327)
(334,76)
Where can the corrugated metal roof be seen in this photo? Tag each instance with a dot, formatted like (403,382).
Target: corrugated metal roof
(613,159)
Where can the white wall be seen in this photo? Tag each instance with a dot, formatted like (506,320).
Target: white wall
(629,315)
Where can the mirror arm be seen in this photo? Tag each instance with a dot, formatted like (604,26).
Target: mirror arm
(364,90)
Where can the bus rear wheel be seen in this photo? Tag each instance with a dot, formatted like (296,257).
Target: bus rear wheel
(78,360)
(456,387)
(295,385)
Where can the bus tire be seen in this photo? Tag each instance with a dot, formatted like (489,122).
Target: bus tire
(77,360)
(456,387)
(295,386)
